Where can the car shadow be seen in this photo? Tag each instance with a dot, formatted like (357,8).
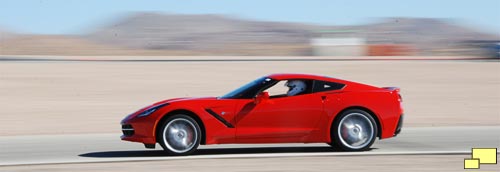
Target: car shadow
(212,151)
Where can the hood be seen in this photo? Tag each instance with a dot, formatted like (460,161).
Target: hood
(169,101)
(174,100)
(182,99)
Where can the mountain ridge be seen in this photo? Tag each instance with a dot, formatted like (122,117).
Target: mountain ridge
(169,34)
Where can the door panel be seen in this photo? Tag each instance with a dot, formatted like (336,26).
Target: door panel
(275,120)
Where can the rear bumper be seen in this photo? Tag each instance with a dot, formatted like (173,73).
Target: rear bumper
(400,125)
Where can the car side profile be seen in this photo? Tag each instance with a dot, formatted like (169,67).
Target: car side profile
(278,108)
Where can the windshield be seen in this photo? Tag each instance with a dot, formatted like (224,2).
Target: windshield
(248,90)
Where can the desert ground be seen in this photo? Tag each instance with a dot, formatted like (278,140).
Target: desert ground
(39,97)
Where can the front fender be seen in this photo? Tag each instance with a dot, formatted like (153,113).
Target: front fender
(215,131)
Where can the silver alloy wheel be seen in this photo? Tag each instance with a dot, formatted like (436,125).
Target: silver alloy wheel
(355,131)
(180,135)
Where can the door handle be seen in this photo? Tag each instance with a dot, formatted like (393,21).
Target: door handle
(323,97)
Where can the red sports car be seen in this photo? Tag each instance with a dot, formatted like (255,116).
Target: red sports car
(278,108)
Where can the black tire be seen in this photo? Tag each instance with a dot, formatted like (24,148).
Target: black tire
(174,130)
(354,137)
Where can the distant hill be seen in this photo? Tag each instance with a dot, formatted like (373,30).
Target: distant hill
(218,33)
(201,33)
(171,34)
(4,34)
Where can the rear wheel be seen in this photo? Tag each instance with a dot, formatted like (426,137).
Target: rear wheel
(180,135)
(354,130)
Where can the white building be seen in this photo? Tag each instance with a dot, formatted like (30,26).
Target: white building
(338,43)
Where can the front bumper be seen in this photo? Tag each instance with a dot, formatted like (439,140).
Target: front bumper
(138,130)
(133,136)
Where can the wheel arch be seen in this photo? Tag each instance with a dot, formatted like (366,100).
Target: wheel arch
(184,112)
(372,114)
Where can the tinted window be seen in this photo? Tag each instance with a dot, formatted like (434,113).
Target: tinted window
(279,89)
(320,86)
(249,90)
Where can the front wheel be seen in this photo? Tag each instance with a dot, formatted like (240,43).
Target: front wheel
(180,135)
(354,130)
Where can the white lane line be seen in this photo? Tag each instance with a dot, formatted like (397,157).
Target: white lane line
(263,155)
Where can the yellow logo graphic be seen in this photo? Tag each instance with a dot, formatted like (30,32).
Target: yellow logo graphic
(481,156)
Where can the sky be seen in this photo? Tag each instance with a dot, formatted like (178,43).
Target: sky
(78,16)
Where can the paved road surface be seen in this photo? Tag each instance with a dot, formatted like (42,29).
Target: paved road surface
(18,150)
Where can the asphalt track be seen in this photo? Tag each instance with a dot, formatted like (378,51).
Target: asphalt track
(85,148)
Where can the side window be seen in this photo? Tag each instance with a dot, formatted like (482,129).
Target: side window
(320,86)
(280,89)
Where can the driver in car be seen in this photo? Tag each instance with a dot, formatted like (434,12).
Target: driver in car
(295,87)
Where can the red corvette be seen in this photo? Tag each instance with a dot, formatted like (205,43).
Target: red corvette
(278,108)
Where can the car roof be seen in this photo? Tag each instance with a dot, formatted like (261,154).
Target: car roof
(284,76)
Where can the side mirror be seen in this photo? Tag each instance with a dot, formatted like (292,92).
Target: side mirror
(261,97)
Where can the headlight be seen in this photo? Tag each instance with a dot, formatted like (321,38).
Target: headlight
(151,110)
